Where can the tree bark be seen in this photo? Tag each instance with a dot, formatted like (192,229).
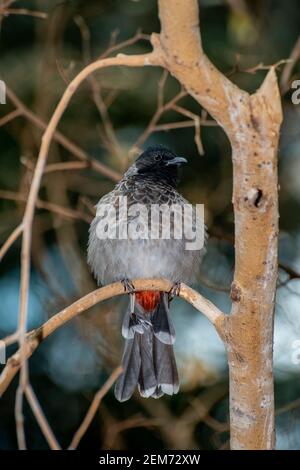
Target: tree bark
(252,123)
(249,332)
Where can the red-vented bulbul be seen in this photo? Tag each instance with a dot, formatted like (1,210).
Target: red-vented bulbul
(123,249)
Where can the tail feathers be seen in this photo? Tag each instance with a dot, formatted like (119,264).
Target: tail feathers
(159,320)
(131,363)
(148,360)
(162,323)
(165,367)
(158,393)
(136,323)
(147,381)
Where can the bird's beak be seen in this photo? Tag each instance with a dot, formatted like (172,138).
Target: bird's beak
(176,161)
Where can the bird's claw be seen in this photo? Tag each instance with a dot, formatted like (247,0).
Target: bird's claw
(175,290)
(128,286)
(129,289)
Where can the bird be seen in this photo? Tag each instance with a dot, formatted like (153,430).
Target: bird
(122,247)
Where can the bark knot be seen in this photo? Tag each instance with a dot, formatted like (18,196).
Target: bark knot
(235,292)
(254,197)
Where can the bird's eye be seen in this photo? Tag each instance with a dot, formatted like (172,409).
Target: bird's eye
(157,158)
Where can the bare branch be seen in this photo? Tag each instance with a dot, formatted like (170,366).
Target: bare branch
(290,271)
(23,12)
(181,125)
(64,141)
(293,405)
(34,338)
(41,418)
(161,109)
(20,418)
(6,10)
(11,239)
(65,212)
(197,122)
(110,135)
(94,407)
(65,166)
(139,36)
(10,116)
(289,66)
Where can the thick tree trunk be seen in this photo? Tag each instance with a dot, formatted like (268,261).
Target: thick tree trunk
(252,123)
(249,332)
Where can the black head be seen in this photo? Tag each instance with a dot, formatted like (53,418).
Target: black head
(160,162)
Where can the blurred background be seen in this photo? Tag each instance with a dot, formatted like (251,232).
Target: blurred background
(43,44)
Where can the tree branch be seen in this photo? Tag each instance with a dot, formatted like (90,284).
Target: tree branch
(10,240)
(186,60)
(35,337)
(93,408)
(22,110)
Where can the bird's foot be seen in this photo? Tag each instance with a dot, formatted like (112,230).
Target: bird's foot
(128,286)
(175,290)
(129,289)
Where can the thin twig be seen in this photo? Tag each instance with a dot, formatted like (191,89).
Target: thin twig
(20,418)
(289,66)
(93,408)
(290,271)
(65,166)
(139,36)
(41,418)
(293,405)
(23,11)
(137,421)
(11,339)
(65,212)
(110,137)
(181,125)
(161,109)
(10,240)
(10,116)
(197,121)
(64,141)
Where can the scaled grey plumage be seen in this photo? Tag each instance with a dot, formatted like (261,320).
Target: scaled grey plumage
(148,358)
